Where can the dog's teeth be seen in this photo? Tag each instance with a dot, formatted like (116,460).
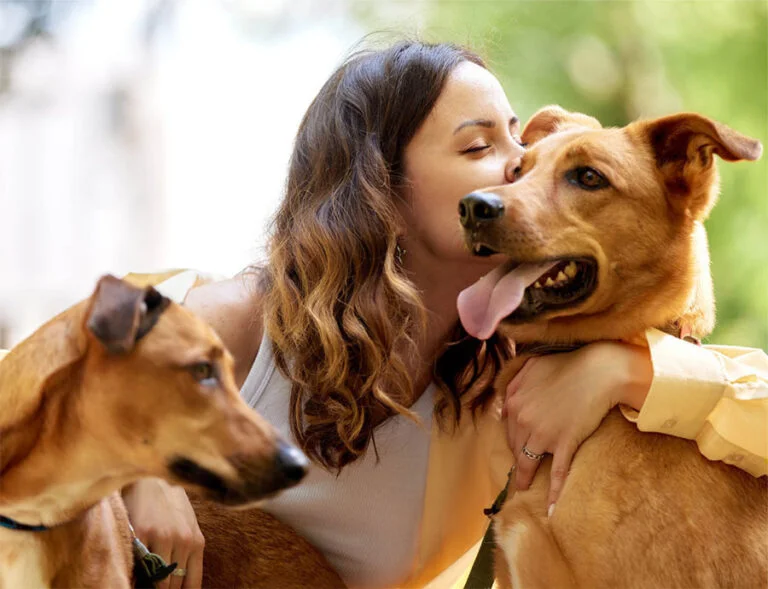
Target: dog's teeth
(561,277)
(549,281)
(537,284)
(570,270)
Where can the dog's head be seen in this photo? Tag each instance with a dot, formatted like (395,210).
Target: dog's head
(157,392)
(602,229)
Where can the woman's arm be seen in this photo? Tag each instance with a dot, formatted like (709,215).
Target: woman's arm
(715,395)
(555,402)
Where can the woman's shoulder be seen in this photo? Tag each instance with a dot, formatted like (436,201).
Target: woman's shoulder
(234,308)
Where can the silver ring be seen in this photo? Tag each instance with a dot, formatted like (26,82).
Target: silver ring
(532,455)
(179,572)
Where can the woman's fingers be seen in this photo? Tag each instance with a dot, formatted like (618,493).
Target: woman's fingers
(162,545)
(194,578)
(189,544)
(165,522)
(561,466)
(513,386)
(521,436)
(527,462)
(180,557)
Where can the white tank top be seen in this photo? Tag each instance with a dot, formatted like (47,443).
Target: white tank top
(367,520)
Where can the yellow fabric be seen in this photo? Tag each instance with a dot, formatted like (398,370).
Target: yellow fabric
(716,395)
(466,470)
(174,284)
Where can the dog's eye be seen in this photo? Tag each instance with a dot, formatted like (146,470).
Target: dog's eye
(587,178)
(204,373)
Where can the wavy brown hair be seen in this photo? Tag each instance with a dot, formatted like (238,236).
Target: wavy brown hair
(342,317)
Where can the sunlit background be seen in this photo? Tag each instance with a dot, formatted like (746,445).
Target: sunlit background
(148,134)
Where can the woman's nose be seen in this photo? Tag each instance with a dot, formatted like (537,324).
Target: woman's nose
(512,169)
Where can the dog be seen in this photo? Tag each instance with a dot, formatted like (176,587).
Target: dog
(603,232)
(246,548)
(123,385)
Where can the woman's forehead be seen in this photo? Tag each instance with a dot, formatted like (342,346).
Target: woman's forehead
(471,92)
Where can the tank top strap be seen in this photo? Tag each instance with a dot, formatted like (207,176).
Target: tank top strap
(260,374)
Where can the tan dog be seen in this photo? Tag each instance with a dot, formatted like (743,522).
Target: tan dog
(124,385)
(604,232)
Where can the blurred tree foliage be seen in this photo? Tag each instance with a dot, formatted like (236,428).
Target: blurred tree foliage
(620,60)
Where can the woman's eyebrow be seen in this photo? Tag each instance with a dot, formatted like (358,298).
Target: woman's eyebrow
(483,123)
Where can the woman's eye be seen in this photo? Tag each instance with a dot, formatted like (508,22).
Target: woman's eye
(587,178)
(204,373)
(476,148)
(519,141)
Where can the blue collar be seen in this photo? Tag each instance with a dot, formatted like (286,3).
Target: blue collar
(7,522)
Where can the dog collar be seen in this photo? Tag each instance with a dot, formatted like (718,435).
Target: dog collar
(7,522)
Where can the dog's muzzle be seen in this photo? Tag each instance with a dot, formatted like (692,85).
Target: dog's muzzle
(479,207)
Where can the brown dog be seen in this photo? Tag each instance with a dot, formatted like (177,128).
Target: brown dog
(604,233)
(124,385)
(249,548)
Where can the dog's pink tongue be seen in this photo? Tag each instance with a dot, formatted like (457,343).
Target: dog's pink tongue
(497,294)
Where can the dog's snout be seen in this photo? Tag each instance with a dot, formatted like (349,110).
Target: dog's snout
(479,207)
(291,462)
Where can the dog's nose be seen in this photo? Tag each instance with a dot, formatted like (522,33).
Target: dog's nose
(291,462)
(479,207)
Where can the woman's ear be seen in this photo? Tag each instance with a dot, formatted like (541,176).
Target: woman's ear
(553,118)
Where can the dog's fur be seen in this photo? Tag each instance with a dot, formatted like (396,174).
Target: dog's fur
(123,385)
(637,509)
(253,549)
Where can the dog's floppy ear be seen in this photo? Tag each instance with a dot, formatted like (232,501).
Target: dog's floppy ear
(120,314)
(553,118)
(683,145)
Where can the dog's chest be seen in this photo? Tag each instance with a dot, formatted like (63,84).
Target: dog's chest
(22,560)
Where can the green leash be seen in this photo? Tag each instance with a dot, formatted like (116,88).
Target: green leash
(481,574)
(148,567)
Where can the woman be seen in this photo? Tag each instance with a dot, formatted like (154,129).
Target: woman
(349,342)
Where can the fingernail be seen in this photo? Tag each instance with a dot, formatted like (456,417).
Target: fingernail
(551,510)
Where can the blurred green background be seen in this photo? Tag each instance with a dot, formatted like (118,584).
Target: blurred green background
(620,60)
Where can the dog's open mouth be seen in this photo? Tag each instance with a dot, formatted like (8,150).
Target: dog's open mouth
(518,292)
(567,283)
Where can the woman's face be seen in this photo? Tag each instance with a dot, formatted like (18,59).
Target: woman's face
(470,140)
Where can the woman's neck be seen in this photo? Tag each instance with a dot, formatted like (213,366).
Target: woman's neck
(439,284)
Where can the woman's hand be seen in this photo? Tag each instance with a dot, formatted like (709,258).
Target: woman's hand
(165,522)
(555,402)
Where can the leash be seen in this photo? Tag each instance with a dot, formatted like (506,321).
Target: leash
(481,574)
(11,524)
(148,567)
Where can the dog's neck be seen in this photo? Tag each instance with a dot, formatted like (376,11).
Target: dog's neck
(41,471)
(54,485)
(47,479)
